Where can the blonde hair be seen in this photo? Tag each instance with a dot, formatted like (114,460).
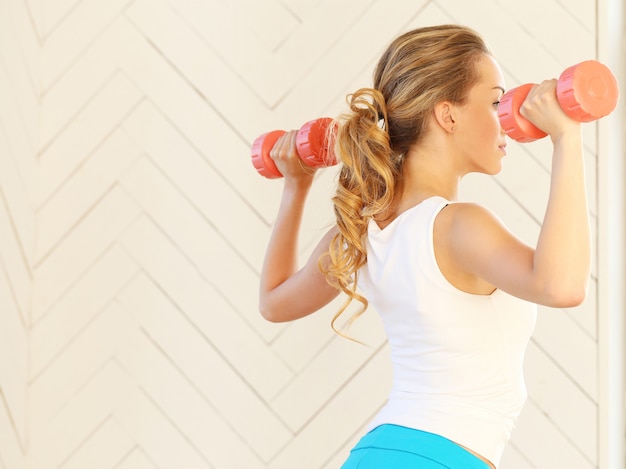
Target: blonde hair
(418,70)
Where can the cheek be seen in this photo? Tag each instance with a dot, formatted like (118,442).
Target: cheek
(482,130)
(495,121)
(488,127)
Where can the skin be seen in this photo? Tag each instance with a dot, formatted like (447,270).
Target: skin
(472,247)
(474,251)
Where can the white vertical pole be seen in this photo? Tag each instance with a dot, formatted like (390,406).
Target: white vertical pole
(611,242)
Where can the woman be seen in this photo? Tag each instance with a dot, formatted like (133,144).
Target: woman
(456,291)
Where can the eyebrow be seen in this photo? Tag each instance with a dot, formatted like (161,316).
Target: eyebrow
(499,88)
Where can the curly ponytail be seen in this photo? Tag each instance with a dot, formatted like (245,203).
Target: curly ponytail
(366,188)
(418,70)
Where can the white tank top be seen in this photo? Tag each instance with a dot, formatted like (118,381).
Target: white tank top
(457,357)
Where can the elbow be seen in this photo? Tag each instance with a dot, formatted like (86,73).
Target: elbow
(267,313)
(268,316)
(272,312)
(570,300)
(567,297)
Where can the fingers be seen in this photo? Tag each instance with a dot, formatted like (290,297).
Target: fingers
(285,147)
(285,156)
(540,96)
(542,108)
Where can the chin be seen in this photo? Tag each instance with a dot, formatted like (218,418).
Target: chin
(498,168)
(494,170)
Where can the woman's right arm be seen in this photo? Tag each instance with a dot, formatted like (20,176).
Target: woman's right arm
(555,272)
(286,292)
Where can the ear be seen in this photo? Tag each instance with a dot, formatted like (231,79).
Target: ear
(444,115)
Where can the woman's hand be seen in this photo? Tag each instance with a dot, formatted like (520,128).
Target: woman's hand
(289,163)
(542,108)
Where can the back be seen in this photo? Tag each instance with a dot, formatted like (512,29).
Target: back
(457,357)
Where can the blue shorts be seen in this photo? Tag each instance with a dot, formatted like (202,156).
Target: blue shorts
(395,447)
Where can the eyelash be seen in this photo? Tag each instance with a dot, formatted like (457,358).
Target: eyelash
(496,104)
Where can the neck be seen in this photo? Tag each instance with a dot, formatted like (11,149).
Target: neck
(426,174)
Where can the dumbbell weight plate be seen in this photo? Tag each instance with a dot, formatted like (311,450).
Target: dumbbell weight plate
(261,158)
(312,143)
(516,126)
(587,91)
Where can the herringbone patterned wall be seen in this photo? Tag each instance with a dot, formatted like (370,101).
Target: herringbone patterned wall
(133,227)
(20,86)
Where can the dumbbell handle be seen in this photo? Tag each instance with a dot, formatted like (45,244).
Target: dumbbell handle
(312,146)
(586,92)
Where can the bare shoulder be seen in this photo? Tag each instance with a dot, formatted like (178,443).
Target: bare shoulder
(477,252)
(468,219)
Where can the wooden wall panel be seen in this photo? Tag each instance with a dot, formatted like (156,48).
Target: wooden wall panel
(20,76)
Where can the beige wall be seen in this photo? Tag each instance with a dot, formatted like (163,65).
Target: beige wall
(126,135)
(20,77)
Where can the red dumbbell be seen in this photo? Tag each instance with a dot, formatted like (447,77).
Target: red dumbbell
(311,144)
(586,92)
